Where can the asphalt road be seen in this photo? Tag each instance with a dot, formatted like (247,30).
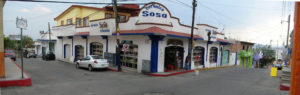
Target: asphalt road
(59,78)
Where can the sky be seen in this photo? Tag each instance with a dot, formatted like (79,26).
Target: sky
(257,21)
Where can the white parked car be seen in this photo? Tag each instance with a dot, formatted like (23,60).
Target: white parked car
(92,62)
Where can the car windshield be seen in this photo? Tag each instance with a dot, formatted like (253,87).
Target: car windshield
(9,51)
(96,57)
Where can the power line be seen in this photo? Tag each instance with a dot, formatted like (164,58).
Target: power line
(68,2)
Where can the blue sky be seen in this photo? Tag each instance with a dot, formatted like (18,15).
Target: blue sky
(256,21)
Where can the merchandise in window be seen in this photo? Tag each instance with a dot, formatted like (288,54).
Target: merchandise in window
(198,55)
(213,55)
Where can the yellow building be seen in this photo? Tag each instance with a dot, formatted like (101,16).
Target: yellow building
(81,15)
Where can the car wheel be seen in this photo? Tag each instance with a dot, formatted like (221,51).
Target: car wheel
(90,68)
(77,65)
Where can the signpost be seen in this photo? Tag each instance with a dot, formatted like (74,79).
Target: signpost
(22,24)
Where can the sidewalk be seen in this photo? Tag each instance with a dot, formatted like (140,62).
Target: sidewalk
(13,76)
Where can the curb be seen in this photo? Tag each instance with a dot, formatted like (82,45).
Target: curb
(284,87)
(21,82)
(183,72)
(171,74)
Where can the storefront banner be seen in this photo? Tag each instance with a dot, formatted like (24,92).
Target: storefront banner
(102,27)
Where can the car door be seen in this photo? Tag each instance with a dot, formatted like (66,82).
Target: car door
(86,61)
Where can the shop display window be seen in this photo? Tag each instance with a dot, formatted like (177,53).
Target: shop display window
(198,55)
(97,49)
(130,57)
(213,55)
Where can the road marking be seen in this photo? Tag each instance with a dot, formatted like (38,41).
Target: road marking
(0,92)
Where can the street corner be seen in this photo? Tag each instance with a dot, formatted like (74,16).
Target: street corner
(14,75)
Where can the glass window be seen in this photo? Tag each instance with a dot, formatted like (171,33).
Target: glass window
(108,15)
(69,21)
(129,58)
(97,49)
(86,21)
(122,18)
(213,55)
(78,22)
(62,22)
(198,55)
(96,57)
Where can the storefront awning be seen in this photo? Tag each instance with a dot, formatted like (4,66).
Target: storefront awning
(158,31)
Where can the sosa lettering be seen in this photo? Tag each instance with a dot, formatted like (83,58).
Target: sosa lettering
(152,14)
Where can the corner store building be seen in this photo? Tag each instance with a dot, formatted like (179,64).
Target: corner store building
(153,34)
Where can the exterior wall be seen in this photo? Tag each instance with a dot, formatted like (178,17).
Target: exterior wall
(77,12)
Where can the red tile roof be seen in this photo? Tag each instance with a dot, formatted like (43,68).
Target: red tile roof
(158,30)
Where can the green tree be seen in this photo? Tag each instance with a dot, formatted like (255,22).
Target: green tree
(9,44)
(27,42)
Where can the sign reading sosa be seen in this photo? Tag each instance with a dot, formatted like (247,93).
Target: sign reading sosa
(147,11)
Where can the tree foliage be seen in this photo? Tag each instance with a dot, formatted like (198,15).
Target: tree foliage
(15,44)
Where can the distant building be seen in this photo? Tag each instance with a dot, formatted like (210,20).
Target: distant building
(14,37)
(42,44)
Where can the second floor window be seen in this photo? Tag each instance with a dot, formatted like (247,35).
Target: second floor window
(122,18)
(69,21)
(86,21)
(78,22)
(108,15)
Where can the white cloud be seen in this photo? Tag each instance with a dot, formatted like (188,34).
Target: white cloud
(25,10)
(37,9)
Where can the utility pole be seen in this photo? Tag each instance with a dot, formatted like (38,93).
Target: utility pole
(192,35)
(49,31)
(288,32)
(295,77)
(118,35)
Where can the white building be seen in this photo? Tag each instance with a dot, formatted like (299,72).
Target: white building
(42,44)
(154,35)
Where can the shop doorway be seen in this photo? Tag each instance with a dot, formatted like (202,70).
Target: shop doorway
(67,51)
(44,50)
(225,59)
(173,58)
(79,52)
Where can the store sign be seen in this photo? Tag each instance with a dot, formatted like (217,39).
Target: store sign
(102,25)
(21,23)
(154,10)
(149,12)
(154,13)
(125,47)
